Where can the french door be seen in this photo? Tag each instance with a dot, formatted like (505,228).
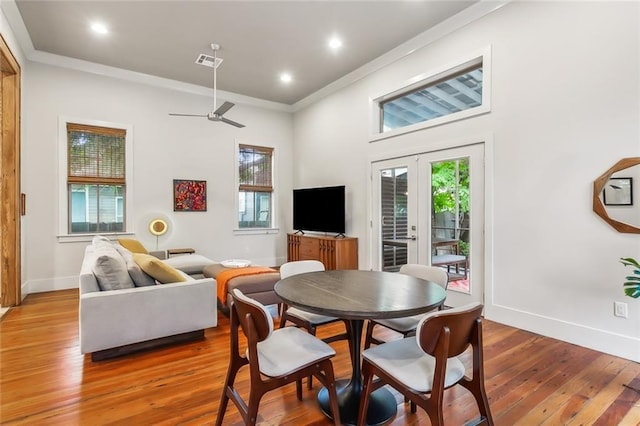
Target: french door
(429,209)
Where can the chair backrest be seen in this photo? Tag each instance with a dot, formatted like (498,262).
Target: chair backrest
(430,273)
(300,267)
(261,317)
(460,323)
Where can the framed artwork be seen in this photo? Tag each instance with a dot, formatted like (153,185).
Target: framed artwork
(618,192)
(189,195)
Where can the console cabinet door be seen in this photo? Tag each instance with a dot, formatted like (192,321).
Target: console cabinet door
(334,253)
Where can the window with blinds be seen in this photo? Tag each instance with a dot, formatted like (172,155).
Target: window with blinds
(255,190)
(96,178)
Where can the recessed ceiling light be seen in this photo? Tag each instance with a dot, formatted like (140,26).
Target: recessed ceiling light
(335,43)
(285,77)
(99,28)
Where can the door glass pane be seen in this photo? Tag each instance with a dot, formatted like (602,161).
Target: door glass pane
(393,205)
(450,220)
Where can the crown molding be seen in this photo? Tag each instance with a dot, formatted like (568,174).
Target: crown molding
(471,14)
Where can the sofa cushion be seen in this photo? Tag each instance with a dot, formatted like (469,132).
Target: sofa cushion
(158,269)
(110,269)
(100,239)
(132,245)
(189,263)
(139,277)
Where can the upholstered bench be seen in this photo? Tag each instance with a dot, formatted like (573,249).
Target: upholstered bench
(254,282)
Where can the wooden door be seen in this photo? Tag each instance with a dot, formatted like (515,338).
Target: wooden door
(10,206)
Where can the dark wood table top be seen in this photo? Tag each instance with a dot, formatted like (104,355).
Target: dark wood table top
(353,294)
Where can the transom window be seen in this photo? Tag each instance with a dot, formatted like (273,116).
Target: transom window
(445,94)
(255,190)
(457,91)
(96,179)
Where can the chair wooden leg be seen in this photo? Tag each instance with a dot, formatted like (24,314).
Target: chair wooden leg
(312,331)
(367,384)
(299,389)
(252,409)
(369,334)
(234,366)
(331,388)
(476,387)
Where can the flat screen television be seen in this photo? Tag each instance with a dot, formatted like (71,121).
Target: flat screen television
(319,209)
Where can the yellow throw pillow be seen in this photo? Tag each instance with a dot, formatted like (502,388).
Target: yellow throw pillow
(134,246)
(158,269)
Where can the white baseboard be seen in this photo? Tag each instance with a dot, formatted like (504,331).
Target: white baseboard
(603,341)
(51,284)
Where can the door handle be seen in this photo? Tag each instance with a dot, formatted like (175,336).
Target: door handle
(411,237)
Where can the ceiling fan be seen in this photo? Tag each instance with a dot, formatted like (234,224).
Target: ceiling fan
(217,113)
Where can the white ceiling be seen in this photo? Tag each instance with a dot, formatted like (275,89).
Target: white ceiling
(259,39)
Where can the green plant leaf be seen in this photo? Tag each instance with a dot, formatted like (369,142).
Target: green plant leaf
(629,261)
(632,285)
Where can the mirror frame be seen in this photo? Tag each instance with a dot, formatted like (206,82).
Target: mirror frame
(598,186)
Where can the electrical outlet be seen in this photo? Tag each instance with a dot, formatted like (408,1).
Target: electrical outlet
(620,309)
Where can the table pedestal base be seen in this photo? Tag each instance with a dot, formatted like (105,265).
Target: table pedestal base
(382,404)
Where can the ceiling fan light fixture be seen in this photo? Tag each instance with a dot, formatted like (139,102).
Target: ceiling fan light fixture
(217,113)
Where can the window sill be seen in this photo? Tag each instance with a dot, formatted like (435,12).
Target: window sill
(256,231)
(78,238)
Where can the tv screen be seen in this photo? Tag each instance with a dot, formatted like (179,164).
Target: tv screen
(319,209)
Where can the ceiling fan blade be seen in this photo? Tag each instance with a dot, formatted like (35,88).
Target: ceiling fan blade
(224,108)
(233,123)
(188,115)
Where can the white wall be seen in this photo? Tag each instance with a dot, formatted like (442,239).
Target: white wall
(165,148)
(565,107)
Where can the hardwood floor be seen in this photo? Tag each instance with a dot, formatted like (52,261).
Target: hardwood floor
(530,380)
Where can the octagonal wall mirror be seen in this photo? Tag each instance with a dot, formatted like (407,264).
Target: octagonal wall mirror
(615,195)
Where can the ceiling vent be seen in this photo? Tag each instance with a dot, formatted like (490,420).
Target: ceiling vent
(208,61)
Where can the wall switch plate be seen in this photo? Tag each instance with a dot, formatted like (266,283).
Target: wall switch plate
(620,309)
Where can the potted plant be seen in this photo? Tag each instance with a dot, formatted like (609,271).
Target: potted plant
(632,282)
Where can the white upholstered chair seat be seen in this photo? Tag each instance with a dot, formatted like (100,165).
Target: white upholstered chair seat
(312,318)
(289,349)
(402,325)
(410,365)
(407,325)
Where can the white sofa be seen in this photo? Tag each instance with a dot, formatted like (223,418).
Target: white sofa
(115,322)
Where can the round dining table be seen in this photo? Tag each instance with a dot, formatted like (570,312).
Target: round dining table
(355,296)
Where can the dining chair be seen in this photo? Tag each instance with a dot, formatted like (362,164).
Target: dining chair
(407,325)
(275,358)
(304,319)
(421,368)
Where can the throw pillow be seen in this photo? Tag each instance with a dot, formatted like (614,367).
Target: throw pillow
(132,245)
(139,277)
(110,269)
(158,269)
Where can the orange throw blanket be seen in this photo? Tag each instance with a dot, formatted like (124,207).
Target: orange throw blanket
(225,276)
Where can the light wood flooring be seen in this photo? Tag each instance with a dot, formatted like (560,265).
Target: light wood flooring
(44,380)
